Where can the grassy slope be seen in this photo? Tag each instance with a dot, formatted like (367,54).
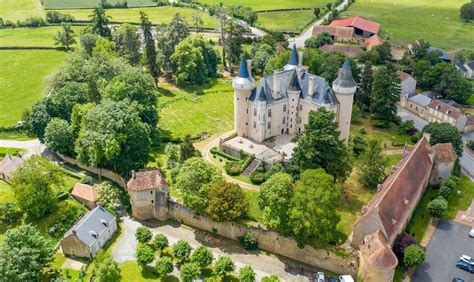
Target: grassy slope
(460,203)
(74,4)
(212,113)
(270,4)
(436,21)
(285,20)
(156,15)
(22,79)
(389,137)
(40,36)
(15,10)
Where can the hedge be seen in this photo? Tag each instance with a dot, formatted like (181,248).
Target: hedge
(233,168)
(216,151)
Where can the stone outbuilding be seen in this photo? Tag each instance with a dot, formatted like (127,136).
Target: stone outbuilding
(90,234)
(85,194)
(377,261)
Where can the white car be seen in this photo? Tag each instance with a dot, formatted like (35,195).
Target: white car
(346,278)
(320,277)
(467,259)
(471,233)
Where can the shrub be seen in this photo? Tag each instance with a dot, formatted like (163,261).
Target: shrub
(401,243)
(470,145)
(143,234)
(181,251)
(87,180)
(164,266)
(160,242)
(249,241)
(271,278)
(257,177)
(9,213)
(57,17)
(414,256)
(232,168)
(467,11)
(217,152)
(189,272)
(437,207)
(202,257)
(445,191)
(224,265)
(145,255)
(32,22)
(247,274)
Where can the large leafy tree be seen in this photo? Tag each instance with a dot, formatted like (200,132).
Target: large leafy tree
(385,94)
(39,119)
(318,41)
(100,23)
(447,81)
(189,272)
(224,265)
(445,133)
(127,43)
(164,266)
(35,185)
(274,200)
(150,49)
(88,41)
(60,101)
(364,90)
(373,166)
(59,137)
(313,215)
(413,256)
(194,179)
(23,254)
(145,255)
(202,257)
(168,37)
(114,136)
(186,149)
(320,147)
(182,251)
(247,274)
(65,36)
(106,269)
(226,202)
(233,41)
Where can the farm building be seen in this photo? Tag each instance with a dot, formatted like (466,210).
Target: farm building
(351,51)
(373,41)
(362,27)
(338,33)
(85,194)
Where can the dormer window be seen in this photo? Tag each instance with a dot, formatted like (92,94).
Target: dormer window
(94,234)
(438,107)
(448,112)
(104,222)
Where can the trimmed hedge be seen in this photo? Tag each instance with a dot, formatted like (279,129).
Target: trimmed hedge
(247,162)
(233,168)
(217,152)
(258,176)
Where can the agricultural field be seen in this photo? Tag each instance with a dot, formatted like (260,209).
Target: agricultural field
(263,5)
(195,110)
(291,21)
(23,79)
(81,4)
(29,37)
(436,21)
(14,10)
(155,14)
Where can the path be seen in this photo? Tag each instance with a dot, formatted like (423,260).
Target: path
(263,263)
(299,40)
(31,147)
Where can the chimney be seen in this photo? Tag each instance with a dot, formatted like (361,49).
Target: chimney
(311,86)
(134,174)
(276,85)
(249,67)
(300,58)
(74,232)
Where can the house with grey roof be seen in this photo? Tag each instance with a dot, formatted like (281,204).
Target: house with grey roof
(90,234)
(467,69)
(416,103)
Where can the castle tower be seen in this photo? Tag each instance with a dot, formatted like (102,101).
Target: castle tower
(243,85)
(261,102)
(294,91)
(344,87)
(293,62)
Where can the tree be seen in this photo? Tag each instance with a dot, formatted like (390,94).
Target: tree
(65,37)
(321,39)
(59,137)
(167,38)
(100,23)
(197,22)
(249,241)
(61,100)
(313,215)
(385,94)
(226,202)
(127,43)
(23,254)
(437,207)
(384,51)
(150,49)
(143,234)
(105,268)
(221,12)
(35,185)
(194,179)
(189,272)
(164,266)
(320,147)
(39,119)
(181,251)
(274,200)
(444,133)
(113,136)
(358,144)
(145,255)
(401,243)
(274,277)
(88,41)
(467,11)
(109,196)
(414,256)
(9,213)
(224,265)
(186,149)
(202,257)
(160,242)
(262,54)
(233,41)
(373,166)
(247,274)
(317,12)
(364,90)
(446,80)
(444,191)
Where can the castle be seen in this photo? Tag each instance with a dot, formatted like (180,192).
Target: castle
(280,103)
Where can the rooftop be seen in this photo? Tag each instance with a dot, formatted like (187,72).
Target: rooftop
(371,42)
(445,153)
(440,106)
(420,100)
(85,192)
(146,180)
(359,23)
(337,31)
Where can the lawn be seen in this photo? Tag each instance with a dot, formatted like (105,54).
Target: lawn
(436,21)
(291,21)
(262,5)
(10,151)
(211,111)
(156,15)
(461,202)
(74,4)
(421,218)
(131,271)
(254,214)
(37,37)
(14,10)
(22,80)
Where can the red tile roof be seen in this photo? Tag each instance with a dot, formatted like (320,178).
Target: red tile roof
(350,51)
(377,251)
(403,75)
(146,180)
(359,23)
(84,191)
(470,121)
(449,110)
(337,31)
(445,153)
(371,42)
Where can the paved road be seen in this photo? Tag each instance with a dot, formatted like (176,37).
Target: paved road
(263,263)
(299,40)
(449,241)
(32,147)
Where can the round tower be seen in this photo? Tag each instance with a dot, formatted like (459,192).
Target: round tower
(344,88)
(243,85)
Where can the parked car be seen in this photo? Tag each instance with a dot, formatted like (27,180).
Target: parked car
(332,279)
(346,278)
(467,259)
(465,266)
(457,279)
(320,277)
(471,233)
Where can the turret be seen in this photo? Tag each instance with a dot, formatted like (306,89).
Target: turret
(243,85)
(294,91)
(293,62)
(344,88)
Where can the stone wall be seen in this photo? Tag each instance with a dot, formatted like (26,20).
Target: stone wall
(268,240)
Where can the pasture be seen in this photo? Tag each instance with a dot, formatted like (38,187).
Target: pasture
(81,4)
(29,37)
(14,10)
(292,21)
(436,21)
(263,5)
(195,109)
(155,14)
(22,80)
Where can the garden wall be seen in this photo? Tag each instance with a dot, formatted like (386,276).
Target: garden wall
(268,240)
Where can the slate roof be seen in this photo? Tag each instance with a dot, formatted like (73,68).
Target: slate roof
(420,100)
(444,55)
(84,191)
(146,180)
(344,77)
(337,31)
(359,23)
(244,70)
(470,65)
(461,66)
(440,106)
(91,221)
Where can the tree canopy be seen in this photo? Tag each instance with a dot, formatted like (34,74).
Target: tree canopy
(373,166)
(226,202)
(445,133)
(385,94)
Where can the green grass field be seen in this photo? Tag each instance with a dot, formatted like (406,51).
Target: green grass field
(214,112)
(436,21)
(75,4)
(262,5)
(15,10)
(22,80)
(37,37)
(462,202)
(10,151)
(155,14)
(285,21)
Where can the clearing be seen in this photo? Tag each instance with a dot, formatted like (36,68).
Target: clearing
(22,80)
(285,21)
(32,37)
(81,4)
(436,21)
(15,10)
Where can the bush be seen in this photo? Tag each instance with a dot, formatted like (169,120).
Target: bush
(401,243)
(467,11)
(249,241)
(233,168)
(445,191)
(189,272)
(145,255)
(57,17)
(271,278)
(437,207)
(470,145)
(247,274)
(164,266)
(87,180)
(181,251)
(143,234)
(9,213)
(202,257)
(414,256)
(217,152)
(258,176)
(160,242)
(32,22)
(224,265)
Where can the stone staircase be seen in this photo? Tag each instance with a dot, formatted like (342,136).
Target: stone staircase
(252,166)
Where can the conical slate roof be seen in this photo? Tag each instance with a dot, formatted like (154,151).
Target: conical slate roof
(293,57)
(344,77)
(243,70)
(294,83)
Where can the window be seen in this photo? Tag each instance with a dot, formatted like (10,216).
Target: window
(291,119)
(246,98)
(299,120)
(292,100)
(237,99)
(255,125)
(269,125)
(254,112)
(284,108)
(269,113)
(151,192)
(284,120)
(247,111)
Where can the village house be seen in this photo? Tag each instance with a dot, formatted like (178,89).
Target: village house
(85,194)
(466,69)
(362,27)
(338,33)
(439,111)
(416,103)
(90,234)
(407,83)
